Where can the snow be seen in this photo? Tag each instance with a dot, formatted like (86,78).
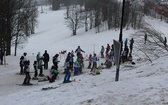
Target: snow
(142,84)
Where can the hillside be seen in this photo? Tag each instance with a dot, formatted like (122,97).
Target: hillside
(142,84)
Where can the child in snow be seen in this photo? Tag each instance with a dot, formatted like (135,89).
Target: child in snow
(27,73)
(67,73)
(23,58)
(76,67)
(94,60)
(21,65)
(95,71)
(53,74)
(35,69)
(90,61)
(40,65)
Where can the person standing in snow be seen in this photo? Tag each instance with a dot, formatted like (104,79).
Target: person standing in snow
(94,60)
(76,67)
(107,49)
(35,69)
(55,61)
(27,73)
(78,51)
(37,59)
(71,61)
(90,61)
(67,73)
(131,45)
(46,59)
(102,52)
(40,65)
(165,41)
(125,42)
(23,58)
(1,56)
(145,38)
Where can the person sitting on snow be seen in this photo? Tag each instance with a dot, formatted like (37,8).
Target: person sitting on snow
(95,71)
(53,74)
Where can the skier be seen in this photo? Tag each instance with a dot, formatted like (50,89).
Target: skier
(46,59)
(67,73)
(102,52)
(27,72)
(23,58)
(78,51)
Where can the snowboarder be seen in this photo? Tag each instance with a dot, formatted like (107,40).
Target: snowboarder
(46,59)
(27,73)
(78,51)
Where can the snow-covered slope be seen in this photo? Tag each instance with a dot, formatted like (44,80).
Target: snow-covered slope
(142,84)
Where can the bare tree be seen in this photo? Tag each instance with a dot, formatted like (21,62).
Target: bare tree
(19,19)
(74,20)
(154,46)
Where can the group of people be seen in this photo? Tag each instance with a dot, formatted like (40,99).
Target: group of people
(126,53)
(71,64)
(38,64)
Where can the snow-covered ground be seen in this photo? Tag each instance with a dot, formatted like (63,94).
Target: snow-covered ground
(142,84)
